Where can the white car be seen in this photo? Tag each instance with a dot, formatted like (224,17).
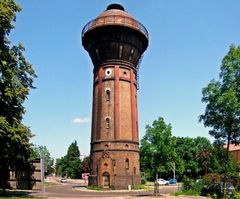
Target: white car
(162,182)
(63,180)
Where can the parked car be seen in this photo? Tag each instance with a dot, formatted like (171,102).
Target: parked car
(218,189)
(172,181)
(63,180)
(161,181)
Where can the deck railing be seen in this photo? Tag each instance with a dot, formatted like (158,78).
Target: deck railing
(115,20)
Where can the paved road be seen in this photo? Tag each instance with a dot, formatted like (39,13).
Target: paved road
(75,190)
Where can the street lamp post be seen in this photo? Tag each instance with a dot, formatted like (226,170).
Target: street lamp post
(84,167)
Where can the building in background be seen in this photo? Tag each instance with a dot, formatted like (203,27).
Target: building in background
(115,42)
(27,176)
(234,150)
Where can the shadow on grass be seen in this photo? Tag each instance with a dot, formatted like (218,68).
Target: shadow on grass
(17,193)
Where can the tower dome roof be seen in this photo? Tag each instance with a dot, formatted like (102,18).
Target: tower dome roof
(115,15)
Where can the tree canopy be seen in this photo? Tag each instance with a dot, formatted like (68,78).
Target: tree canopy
(70,165)
(222,98)
(157,151)
(42,151)
(193,157)
(16,80)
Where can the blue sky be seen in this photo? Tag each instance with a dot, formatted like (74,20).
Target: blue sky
(188,40)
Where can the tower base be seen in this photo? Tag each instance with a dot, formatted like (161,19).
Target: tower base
(114,182)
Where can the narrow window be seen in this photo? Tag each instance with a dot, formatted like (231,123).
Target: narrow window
(108,94)
(120,51)
(134,170)
(127,164)
(107,123)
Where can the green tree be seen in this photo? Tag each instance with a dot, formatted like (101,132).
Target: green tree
(157,150)
(187,151)
(196,154)
(218,157)
(16,79)
(222,98)
(73,152)
(204,153)
(39,151)
(70,165)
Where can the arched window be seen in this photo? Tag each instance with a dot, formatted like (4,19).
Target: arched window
(127,164)
(108,95)
(107,124)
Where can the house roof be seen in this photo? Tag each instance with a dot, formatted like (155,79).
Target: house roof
(233,147)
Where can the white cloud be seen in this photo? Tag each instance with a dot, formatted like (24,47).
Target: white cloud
(79,120)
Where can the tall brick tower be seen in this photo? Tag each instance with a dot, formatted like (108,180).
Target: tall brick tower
(115,42)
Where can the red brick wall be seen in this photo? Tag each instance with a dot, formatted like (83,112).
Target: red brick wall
(113,144)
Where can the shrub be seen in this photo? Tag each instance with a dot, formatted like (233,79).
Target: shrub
(192,186)
(143,180)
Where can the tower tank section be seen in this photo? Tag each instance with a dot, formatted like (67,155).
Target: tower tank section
(115,42)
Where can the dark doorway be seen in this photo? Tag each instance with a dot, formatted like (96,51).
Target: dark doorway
(106,180)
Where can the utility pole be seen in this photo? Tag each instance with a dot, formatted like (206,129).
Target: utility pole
(42,162)
(156,187)
(174,171)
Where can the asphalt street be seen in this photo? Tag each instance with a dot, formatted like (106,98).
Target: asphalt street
(77,189)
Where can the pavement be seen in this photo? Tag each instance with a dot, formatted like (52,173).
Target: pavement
(75,189)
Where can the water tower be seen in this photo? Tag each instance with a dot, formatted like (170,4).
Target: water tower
(115,42)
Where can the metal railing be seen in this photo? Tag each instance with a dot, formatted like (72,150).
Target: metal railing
(115,20)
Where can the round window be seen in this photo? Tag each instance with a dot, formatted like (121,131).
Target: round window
(108,72)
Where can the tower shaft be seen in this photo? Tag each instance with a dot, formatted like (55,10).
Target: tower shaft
(115,42)
(114,141)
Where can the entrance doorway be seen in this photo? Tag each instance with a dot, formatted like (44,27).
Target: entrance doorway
(106,180)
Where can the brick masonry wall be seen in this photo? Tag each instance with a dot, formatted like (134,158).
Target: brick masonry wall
(114,142)
(29,178)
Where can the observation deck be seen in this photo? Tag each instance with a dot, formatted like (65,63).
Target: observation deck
(115,15)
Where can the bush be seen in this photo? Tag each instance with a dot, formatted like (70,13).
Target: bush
(190,185)
(136,187)
(211,178)
(94,188)
(188,193)
(143,180)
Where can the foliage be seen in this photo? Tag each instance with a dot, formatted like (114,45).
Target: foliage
(73,151)
(94,188)
(86,163)
(137,187)
(70,165)
(16,80)
(192,185)
(158,149)
(195,154)
(193,157)
(222,98)
(186,193)
(143,180)
(39,151)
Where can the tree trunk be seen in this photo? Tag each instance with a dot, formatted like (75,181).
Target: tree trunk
(4,173)
(226,162)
